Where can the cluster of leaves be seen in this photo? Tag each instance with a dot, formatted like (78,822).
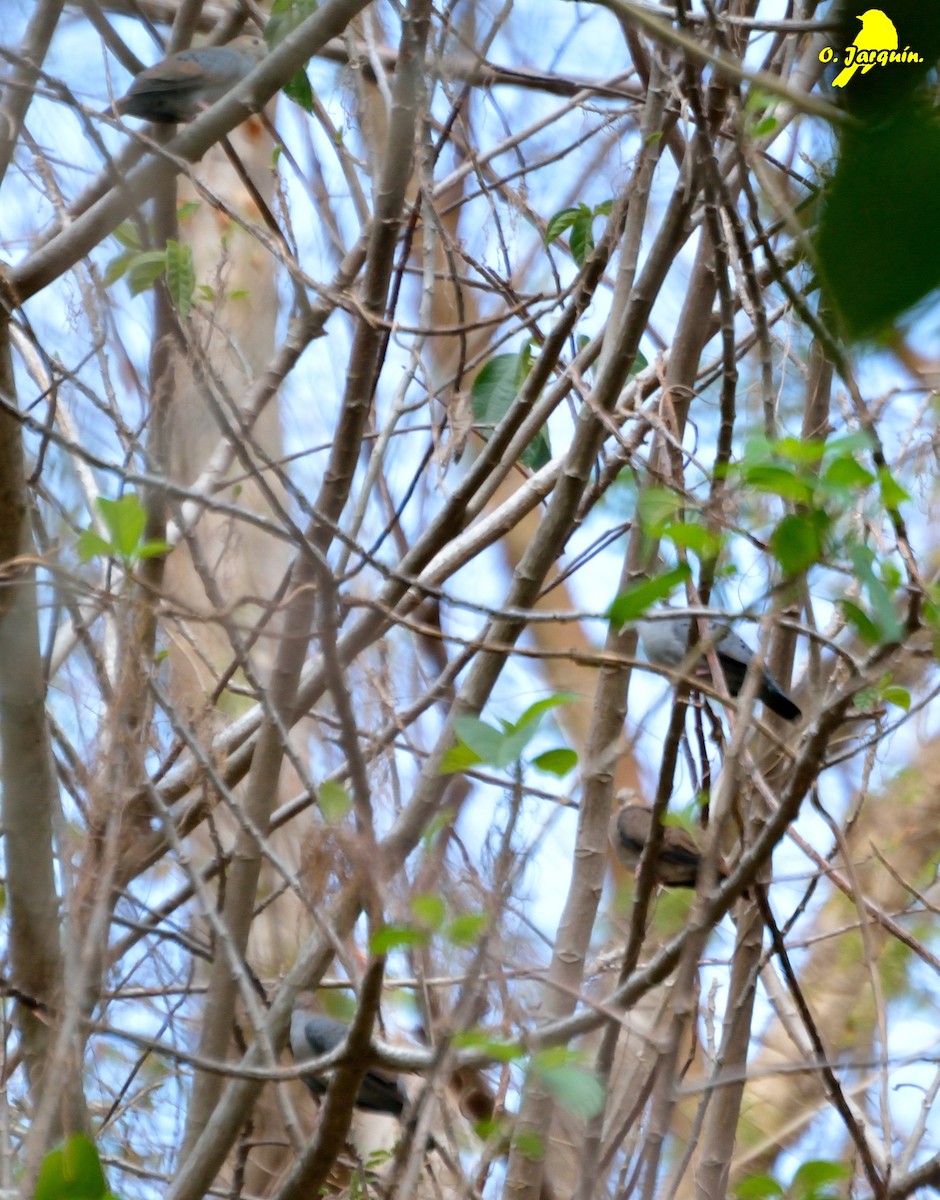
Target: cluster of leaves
(814,1180)
(477,744)
(481,744)
(142,268)
(822,480)
(125,520)
(579,219)
(432,915)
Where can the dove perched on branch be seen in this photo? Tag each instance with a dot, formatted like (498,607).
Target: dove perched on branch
(313,1035)
(180,86)
(678,861)
(665,643)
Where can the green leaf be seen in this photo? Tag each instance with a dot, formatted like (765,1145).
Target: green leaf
(813,1179)
(180,277)
(486,1044)
(459,758)
(429,909)
(126,519)
(479,742)
(581,240)
(796,450)
(466,929)
(392,937)
(495,388)
(758,1187)
(534,713)
(580,220)
(656,508)
(884,616)
(299,90)
(762,128)
(862,623)
(92,545)
(72,1171)
(898,696)
(538,452)
(556,762)
(694,537)
(529,1146)
(560,222)
(144,270)
(636,600)
(187,210)
(483,739)
(757,100)
(573,1086)
(488,1127)
(334,801)
(153,548)
(779,481)
(513,744)
(845,472)
(798,541)
(285,16)
(118,267)
(128,235)
(892,494)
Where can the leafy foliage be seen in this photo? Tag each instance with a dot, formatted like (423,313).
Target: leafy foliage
(481,744)
(125,520)
(580,221)
(494,390)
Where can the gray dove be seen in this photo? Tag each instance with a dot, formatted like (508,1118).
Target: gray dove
(665,643)
(312,1035)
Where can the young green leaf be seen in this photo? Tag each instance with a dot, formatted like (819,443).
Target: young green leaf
(570,1082)
(535,712)
(126,520)
(483,739)
(394,937)
(429,909)
(128,235)
(814,1180)
(656,508)
(72,1171)
(798,541)
(143,270)
(636,600)
(180,277)
(556,762)
(495,388)
(334,801)
(92,545)
(581,240)
(561,221)
(758,1187)
(466,929)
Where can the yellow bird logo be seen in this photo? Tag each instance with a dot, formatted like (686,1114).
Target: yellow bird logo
(877,33)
